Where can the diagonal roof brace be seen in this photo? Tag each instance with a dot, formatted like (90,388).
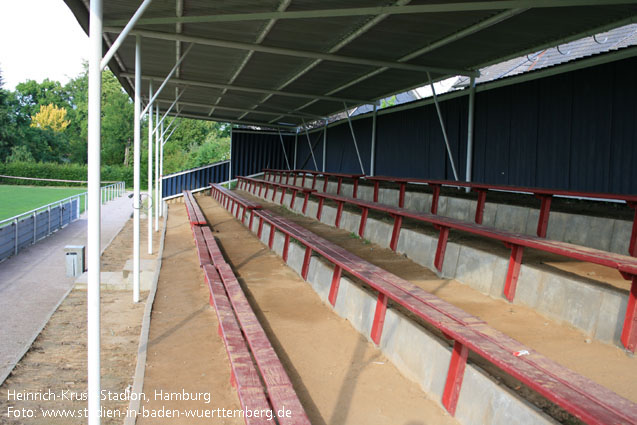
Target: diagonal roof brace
(195,83)
(459,6)
(255,111)
(127,29)
(299,53)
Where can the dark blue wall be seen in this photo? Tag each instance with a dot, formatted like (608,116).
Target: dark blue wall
(573,131)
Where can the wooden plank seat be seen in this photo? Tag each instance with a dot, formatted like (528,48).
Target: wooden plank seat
(235,204)
(195,216)
(545,196)
(578,395)
(251,184)
(272,174)
(244,377)
(245,339)
(515,241)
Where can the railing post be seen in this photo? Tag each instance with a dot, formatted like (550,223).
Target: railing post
(49,232)
(35,227)
(15,223)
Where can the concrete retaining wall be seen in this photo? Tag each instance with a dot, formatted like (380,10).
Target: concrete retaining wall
(596,309)
(595,232)
(419,355)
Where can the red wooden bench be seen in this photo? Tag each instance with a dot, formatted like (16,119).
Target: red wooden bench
(545,196)
(195,215)
(234,203)
(515,241)
(251,184)
(240,330)
(245,377)
(326,175)
(583,398)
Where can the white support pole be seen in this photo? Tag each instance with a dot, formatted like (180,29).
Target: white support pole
(351,128)
(150,172)
(283,147)
(94,212)
(296,142)
(136,163)
(472,97)
(168,77)
(230,163)
(324,144)
(372,161)
(442,127)
(157,201)
(161,170)
(309,144)
(122,36)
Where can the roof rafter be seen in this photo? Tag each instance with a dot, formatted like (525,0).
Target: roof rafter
(255,111)
(463,6)
(348,39)
(298,53)
(472,29)
(180,81)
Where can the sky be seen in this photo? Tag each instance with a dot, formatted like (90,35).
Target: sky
(39,39)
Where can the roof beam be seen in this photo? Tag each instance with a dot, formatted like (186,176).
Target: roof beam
(195,83)
(234,121)
(283,5)
(430,47)
(255,111)
(298,53)
(370,23)
(462,6)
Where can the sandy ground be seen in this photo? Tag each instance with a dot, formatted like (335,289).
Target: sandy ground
(339,376)
(185,354)
(56,363)
(608,365)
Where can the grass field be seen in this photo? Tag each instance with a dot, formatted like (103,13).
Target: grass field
(18,199)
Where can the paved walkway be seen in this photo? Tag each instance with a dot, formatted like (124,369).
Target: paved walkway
(33,283)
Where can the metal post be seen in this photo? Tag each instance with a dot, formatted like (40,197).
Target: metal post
(472,97)
(156,170)
(15,223)
(150,171)
(94,212)
(49,210)
(136,164)
(296,141)
(35,227)
(230,163)
(324,144)
(309,144)
(442,127)
(161,171)
(372,165)
(351,128)
(284,153)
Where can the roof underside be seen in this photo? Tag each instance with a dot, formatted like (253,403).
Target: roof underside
(309,62)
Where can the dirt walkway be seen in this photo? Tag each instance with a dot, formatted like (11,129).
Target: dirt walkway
(185,354)
(56,362)
(603,363)
(340,377)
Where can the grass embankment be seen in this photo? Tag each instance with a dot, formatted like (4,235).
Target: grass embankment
(18,199)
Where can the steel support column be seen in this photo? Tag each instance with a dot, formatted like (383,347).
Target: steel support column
(442,128)
(94,212)
(472,97)
(161,171)
(150,172)
(372,165)
(284,153)
(136,166)
(324,144)
(296,141)
(157,197)
(351,128)
(309,145)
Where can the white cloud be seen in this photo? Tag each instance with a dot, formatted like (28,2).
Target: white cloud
(39,39)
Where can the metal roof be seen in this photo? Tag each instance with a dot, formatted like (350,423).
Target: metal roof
(286,62)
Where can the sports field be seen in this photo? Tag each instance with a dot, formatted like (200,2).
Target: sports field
(18,199)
